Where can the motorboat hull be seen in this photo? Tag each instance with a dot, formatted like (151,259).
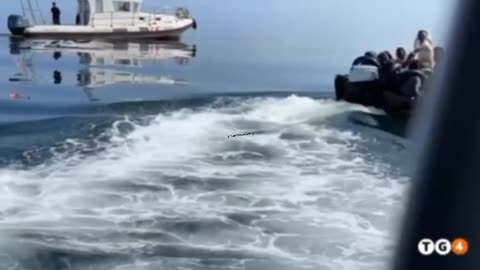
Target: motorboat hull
(371,94)
(85,32)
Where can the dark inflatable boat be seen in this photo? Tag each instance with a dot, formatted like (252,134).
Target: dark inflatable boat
(374,84)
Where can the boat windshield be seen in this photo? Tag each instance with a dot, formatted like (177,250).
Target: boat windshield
(122,6)
(125,6)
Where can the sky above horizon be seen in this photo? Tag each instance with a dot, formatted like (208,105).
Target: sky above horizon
(286,21)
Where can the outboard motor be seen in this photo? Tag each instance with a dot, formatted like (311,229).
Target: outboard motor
(364,69)
(17,24)
(361,85)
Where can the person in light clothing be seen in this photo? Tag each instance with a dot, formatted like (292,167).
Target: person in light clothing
(423,50)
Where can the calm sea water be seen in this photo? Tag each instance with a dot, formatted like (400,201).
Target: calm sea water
(118,156)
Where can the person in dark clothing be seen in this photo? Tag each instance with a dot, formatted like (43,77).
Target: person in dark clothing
(388,70)
(410,57)
(57,77)
(387,56)
(401,57)
(383,58)
(55,14)
(413,65)
(371,54)
(77,19)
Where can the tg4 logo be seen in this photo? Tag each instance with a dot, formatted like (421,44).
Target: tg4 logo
(459,246)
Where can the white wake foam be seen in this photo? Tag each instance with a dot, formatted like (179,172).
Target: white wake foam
(297,190)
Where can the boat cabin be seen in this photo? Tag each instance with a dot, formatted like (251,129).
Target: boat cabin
(95,11)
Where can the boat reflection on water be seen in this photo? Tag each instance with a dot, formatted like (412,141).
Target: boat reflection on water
(91,78)
(108,52)
(107,72)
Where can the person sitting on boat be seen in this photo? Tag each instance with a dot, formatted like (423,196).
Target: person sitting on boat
(371,54)
(410,58)
(386,55)
(423,50)
(413,65)
(401,57)
(55,13)
(388,69)
(409,82)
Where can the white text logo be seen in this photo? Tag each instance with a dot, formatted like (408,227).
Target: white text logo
(443,247)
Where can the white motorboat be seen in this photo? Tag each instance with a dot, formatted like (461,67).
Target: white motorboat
(104,19)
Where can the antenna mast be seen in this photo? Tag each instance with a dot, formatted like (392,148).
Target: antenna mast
(29,10)
(39,11)
(32,14)
(23,8)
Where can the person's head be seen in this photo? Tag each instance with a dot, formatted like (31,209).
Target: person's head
(401,54)
(54,4)
(422,35)
(371,54)
(57,55)
(384,57)
(389,55)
